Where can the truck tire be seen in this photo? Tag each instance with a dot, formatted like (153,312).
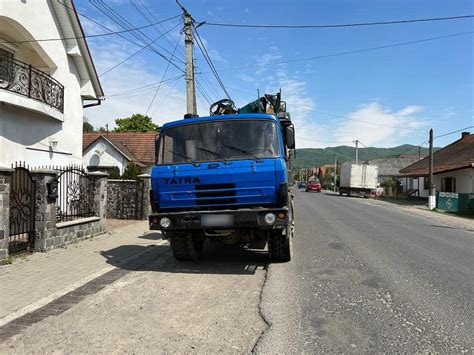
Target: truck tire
(186,246)
(279,245)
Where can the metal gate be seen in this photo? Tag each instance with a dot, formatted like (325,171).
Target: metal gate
(22,211)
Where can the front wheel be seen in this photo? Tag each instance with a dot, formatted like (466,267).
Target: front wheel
(186,246)
(280,245)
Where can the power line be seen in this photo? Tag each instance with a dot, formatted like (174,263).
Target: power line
(342,25)
(108,29)
(166,96)
(209,62)
(162,78)
(86,36)
(203,93)
(124,23)
(139,51)
(145,87)
(457,131)
(150,20)
(348,52)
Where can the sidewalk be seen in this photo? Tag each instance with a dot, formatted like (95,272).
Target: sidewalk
(39,278)
(449,219)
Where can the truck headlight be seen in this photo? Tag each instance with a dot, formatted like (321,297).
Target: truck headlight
(269,218)
(165,222)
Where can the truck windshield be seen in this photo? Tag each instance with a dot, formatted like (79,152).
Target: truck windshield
(219,141)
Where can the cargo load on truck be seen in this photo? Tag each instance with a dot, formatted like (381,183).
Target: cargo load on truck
(358,179)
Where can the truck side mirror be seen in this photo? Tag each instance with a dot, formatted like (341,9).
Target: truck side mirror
(290,137)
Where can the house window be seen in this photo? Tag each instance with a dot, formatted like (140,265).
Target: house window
(448,184)
(6,67)
(426,183)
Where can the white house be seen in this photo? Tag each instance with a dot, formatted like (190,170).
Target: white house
(105,150)
(44,84)
(453,169)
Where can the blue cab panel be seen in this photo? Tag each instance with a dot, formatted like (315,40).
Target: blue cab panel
(219,184)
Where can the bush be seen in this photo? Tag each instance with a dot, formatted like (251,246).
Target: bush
(114,173)
(131,171)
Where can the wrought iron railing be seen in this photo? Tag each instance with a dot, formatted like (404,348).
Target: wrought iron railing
(26,80)
(76,194)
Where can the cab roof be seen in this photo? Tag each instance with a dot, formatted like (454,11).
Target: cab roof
(237,116)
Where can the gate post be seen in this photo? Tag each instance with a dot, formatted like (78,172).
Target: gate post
(45,215)
(5,181)
(145,182)
(100,198)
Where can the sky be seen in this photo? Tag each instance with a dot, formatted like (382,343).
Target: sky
(383,98)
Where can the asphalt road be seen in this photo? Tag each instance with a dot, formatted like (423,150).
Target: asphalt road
(365,277)
(370,278)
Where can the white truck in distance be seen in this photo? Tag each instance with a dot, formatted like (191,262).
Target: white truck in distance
(358,179)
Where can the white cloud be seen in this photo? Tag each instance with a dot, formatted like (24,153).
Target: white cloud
(375,125)
(133,74)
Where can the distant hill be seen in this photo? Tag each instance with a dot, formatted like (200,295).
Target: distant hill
(309,157)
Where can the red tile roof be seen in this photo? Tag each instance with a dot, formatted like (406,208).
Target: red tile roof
(457,155)
(138,146)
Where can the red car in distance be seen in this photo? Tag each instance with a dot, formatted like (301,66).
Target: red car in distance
(313,185)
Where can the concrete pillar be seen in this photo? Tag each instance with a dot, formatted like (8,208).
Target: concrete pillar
(5,181)
(101,194)
(45,214)
(145,182)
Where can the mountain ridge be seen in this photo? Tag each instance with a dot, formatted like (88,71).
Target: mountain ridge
(309,157)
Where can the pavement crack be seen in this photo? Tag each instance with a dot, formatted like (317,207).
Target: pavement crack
(262,315)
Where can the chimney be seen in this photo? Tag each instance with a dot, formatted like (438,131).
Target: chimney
(465,134)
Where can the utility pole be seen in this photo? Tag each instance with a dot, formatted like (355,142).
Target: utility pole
(188,42)
(431,197)
(335,172)
(357,151)
(419,152)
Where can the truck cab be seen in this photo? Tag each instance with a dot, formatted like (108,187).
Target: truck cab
(223,177)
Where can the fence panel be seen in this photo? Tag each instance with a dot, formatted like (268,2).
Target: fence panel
(125,199)
(76,194)
(22,210)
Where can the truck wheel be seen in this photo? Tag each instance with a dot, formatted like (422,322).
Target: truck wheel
(279,245)
(186,246)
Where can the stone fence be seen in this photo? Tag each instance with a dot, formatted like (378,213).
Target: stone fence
(128,199)
(48,231)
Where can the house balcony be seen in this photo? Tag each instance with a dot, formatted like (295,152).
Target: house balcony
(25,80)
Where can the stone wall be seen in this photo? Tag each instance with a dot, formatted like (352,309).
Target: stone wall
(5,179)
(128,199)
(48,233)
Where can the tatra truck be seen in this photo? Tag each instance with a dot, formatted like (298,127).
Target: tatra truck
(225,177)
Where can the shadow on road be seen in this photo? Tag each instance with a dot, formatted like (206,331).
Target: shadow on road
(151,236)
(217,258)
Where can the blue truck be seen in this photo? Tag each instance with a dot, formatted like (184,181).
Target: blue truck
(225,177)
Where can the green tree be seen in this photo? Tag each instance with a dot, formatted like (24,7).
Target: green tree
(86,126)
(135,123)
(131,171)
(114,173)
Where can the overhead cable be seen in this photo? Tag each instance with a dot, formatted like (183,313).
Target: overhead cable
(357,24)
(347,52)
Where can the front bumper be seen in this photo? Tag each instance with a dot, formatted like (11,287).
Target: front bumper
(237,219)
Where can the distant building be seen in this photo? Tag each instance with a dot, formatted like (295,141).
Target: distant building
(103,151)
(44,85)
(389,168)
(453,168)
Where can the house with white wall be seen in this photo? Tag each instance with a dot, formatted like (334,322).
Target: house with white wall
(453,168)
(103,151)
(47,78)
